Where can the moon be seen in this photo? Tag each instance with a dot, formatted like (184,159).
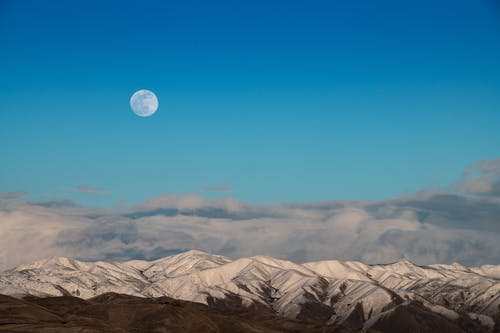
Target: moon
(144,103)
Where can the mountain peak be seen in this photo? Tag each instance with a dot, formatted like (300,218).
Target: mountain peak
(43,263)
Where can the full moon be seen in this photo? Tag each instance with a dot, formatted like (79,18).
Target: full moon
(144,103)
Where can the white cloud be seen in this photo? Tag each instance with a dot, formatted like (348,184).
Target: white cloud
(172,201)
(347,231)
(482,178)
(425,228)
(12,195)
(90,190)
(216,189)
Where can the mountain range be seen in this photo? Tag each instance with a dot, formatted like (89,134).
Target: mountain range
(396,297)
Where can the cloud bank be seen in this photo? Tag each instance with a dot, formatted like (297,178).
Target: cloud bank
(12,195)
(482,178)
(460,226)
(90,190)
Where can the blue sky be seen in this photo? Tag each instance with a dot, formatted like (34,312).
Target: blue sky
(274,100)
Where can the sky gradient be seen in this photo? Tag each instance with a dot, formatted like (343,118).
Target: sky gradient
(264,101)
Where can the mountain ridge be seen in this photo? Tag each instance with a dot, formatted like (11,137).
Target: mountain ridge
(328,291)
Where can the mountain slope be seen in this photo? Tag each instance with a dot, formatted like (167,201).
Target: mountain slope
(331,292)
(116,313)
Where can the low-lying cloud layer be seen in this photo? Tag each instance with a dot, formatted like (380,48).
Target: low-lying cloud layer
(12,195)
(460,226)
(482,178)
(90,190)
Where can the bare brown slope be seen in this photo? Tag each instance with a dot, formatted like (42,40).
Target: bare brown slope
(415,318)
(126,314)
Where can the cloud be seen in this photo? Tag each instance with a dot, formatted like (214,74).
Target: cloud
(12,195)
(356,231)
(425,228)
(216,189)
(55,204)
(91,190)
(444,210)
(482,178)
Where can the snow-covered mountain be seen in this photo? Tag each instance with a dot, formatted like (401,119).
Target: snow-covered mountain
(333,292)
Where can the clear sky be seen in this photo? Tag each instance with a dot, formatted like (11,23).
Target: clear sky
(270,100)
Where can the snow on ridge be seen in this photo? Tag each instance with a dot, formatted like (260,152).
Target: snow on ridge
(279,284)
(488,270)
(323,267)
(58,261)
(337,269)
